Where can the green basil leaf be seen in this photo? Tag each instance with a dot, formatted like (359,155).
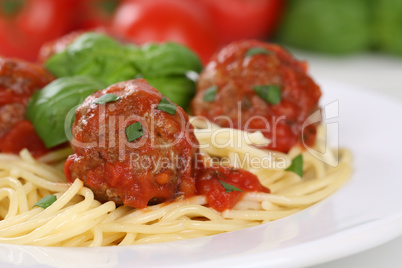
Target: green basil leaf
(179,89)
(257,50)
(297,165)
(46,202)
(134,131)
(168,59)
(210,94)
(270,93)
(165,66)
(166,106)
(97,55)
(47,109)
(229,188)
(109,97)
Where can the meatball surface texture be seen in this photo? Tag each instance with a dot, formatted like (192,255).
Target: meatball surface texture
(155,167)
(237,71)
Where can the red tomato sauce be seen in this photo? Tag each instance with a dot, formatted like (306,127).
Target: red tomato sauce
(135,191)
(208,182)
(18,81)
(21,136)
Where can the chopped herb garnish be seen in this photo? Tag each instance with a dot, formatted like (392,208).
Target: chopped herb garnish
(134,131)
(257,50)
(210,94)
(297,165)
(166,106)
(46,202)
(106,98)
(269,93)
(230,188)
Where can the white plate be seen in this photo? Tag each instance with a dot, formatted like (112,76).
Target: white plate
(364,213)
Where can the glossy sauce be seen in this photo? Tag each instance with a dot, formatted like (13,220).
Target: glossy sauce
(21,136)
(208,183)
(18,81)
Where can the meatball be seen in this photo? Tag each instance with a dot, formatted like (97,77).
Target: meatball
(237,72)
(150,166)
(18,81)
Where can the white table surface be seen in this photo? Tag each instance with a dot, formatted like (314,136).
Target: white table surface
(377,72)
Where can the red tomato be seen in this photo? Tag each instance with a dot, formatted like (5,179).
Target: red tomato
(26,25)
(94,14)
(244,19)
(181,21)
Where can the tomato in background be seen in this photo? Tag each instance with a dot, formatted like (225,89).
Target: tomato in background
(26,24)
(94,14)
(244,19)
(202,25)
(182,21)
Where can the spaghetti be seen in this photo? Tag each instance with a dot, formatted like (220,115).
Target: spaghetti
(76,219)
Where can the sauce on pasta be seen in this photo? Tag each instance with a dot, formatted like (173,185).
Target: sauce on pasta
(209,183)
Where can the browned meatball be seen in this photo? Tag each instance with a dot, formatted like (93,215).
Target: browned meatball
(154,167)
(18,81)
(243,74)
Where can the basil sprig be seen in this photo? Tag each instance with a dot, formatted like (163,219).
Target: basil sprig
(96,55)
(46,202)
(297,165)
(270,93)
(48,108)
(229,188)
(134,131)
(165,66)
